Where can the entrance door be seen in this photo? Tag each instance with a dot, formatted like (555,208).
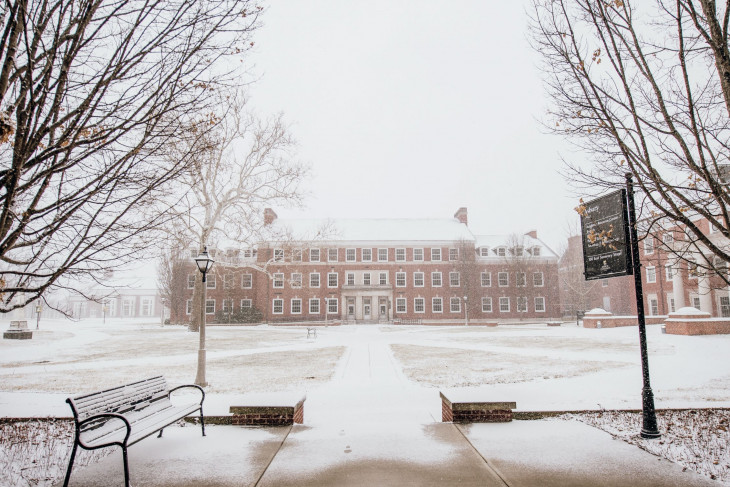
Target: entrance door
(351,308)
(366,303)
(383,305)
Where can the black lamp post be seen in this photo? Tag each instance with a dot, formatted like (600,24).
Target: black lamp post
(204,263)
(466,313)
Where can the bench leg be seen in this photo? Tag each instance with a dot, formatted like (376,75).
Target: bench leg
(70,465)
(126,466)
(202,420)
(160,435)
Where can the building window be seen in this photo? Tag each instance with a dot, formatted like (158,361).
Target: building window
(671,305)
(246,303)
(383,279)
(228,306)
(400,305)
(279,280)
(313,255)
(278,307)
(502,252)
(486,279)
(504,305)
(653,306)
(400,279)
(332,279)
(367,255)
(724,306)
(520,279)
(313,306)
(296,280)
(486,305)
(314,279)
(419,305)
(247,281)
(522,304)
(536,251)
(350,278)
(366,279)
(210,306)
(436,255)
(436,279)
(540,305)
(418,279)
(400,255)
(191,281)
(418,255)
(696,302)
(350,255)
(296,306)
(651,274)
(484,252)
(332,255)
(669,272)
(296,255)
(454,279)
(503,279)
(278,255)
(453,254)
(127,308)
(437,305)
(382,255)
(455,305)
(210,281)
(519,251)
(667,238)
(649,245)
(189,306)
(537,279)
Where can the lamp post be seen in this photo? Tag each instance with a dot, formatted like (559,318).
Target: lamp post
(104,309)
(466,313)
(204,263)
(38,309)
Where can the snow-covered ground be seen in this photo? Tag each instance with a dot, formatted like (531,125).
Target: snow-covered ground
(362,374)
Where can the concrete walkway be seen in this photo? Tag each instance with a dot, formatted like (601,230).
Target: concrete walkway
(371,427)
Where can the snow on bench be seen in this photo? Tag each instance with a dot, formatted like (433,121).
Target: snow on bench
(275,409)
(462,408)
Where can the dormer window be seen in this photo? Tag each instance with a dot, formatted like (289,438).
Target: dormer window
(518,251)
(536,251)
(484,251)
(501,251)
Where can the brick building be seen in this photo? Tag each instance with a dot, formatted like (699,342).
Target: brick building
(668,282)
(383,270)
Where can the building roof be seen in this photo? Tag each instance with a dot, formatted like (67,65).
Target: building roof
(493,241)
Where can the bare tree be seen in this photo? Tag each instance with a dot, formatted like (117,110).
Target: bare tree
(576,292)
(469,274)
(92,92)
(644,87)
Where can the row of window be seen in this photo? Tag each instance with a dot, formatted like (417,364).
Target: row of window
(401,305)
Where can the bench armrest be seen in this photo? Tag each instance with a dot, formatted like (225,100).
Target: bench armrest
(202,392)
(104,415)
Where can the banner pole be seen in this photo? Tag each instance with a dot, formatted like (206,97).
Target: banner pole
(649,429)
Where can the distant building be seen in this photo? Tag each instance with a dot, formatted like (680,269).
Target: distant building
(668,282)
(382,270)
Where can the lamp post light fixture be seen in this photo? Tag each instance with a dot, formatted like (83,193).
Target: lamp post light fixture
(466,313)
(204,263)
(38,309)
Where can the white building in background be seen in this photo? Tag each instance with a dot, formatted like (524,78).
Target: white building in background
(130,293)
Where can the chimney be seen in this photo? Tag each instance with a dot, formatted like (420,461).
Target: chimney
(461,215)
(532,233)
(269,216)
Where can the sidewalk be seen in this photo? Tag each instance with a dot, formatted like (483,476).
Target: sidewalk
(371,427)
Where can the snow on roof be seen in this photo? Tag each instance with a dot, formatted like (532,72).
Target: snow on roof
(373,229)
(493,241)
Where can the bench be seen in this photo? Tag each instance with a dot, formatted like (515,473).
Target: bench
(464,410)
(311,332)
(125,415)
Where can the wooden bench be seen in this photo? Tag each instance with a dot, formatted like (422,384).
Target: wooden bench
(126,415)
(464,410)
(311,332)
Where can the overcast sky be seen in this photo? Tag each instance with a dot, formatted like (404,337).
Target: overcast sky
(413,109)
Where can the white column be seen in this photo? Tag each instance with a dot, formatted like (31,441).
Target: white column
(705,292)
(678,286)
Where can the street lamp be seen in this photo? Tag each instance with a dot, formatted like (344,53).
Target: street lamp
(466,313)
(104,309)
(204,263)
(38,309)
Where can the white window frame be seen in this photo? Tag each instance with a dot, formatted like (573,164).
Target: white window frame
(440,302)
(293,308)
(453,254)
(536,251)
(506,279)
(501,251)
(416,302)
(540,304)
(455,300)
(189,307)
(418,255)
(314,254)
(312,275)
(210,308)
(399,308)
(332,254)
(366,280)
(486,279)
(330,275)
(649,245)
(483,251)
(296,280)
(274,305)
(278,280)
(668,272)
(227,309)
(436,254)
(486,304)
(437,279)
(650,274)
(278,255)
(244,277)
(246,301)
(350,278)
(381,281)
(400,254)
(311,302)
(538,279)
(502,301)
(296,255)
(522,304)
(191,281)
(350,255)
(419,276)
(521,279)
(382,253)
(401,279)
(367,255)
(210,281)
(454,277)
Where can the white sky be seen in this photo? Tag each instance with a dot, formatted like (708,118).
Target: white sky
(413,109)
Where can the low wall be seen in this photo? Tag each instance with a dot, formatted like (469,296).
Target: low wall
(261,415)
(617,321)
(711,326)
(475,412)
